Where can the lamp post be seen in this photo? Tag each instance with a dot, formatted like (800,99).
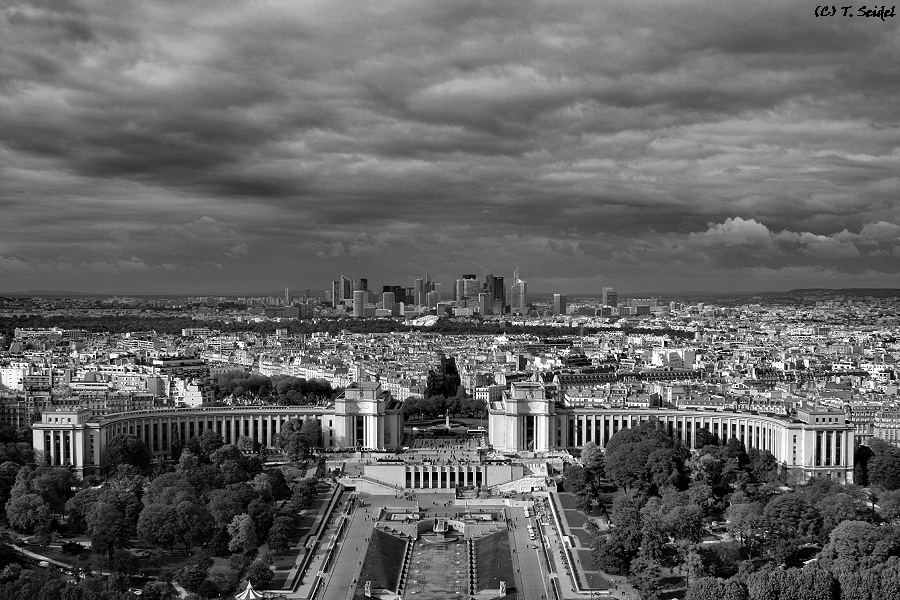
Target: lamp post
(591,579)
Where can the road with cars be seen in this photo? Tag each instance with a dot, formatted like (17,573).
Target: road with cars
(532,575)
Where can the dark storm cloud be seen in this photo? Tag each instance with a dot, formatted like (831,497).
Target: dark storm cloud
(647,144)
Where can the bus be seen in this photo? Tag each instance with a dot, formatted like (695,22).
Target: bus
(476,432)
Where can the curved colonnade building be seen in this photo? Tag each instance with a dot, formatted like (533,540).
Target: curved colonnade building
(364,416)
(526,418)
(817,441)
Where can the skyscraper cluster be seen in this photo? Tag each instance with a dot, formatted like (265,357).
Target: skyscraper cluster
(471,296)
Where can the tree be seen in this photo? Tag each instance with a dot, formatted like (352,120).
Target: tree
(290,441)
(735,589)
(54,485)
(126,448)
(243,534)
(610,554)
(311,433)
(127,478)
(626,466)
(201,475)
(108,527)
(158,590)
(78,505)
(861,457)
(176,447)
(736,450)
(303,494)
(702,495)
(278,483)
(836,508)
(851,546)
(663,470)
(224,453)
(124,562)
(26,512)
(764,585)
(223,578)
(21,453)
(280,533)
(126,502)
(692,564)
(262,514)
(790,516)
(8,472)
(645,578)
(819,584)
(686,523)
(159,525)
(259,573)
(225,504)
(193,575)
(594,461)
(44,535)
(629,450)
(706,588)
(170,488)
(210,441)
(763,465)
(744,522)
(704,437)
(246,445)
(194,523)
(653,531)
(889,502)
(884,470)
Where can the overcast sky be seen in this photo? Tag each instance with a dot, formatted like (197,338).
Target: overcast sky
(237,146)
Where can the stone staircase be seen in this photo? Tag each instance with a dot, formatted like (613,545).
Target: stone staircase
(520,485)
(404,570)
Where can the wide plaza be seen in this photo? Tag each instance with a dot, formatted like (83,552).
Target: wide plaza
(521,539)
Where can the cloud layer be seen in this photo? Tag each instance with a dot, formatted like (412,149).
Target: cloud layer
(239,145)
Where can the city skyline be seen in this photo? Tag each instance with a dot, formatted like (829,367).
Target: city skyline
(208,148)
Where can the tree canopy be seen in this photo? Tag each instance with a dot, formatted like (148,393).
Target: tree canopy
(128,449)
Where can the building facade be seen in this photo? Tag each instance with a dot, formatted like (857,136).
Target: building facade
(815,442)
(364,416)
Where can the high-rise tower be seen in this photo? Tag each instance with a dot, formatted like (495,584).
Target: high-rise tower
(559,304)
(517,296)
(496,293)
(610,297)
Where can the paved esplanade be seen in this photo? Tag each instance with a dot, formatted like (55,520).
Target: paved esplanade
(352,550)
(531,576)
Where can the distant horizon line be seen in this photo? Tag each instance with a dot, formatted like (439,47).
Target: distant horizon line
(322,292)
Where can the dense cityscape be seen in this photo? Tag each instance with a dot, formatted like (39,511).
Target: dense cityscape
(714,446)
(428,300)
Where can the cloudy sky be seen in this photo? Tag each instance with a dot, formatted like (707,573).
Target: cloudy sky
(217,146)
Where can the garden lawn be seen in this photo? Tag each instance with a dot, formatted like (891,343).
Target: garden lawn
(575,518)
(584,537)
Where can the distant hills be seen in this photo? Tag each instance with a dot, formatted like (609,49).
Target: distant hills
(854,292)
(52,294)
(800,292)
